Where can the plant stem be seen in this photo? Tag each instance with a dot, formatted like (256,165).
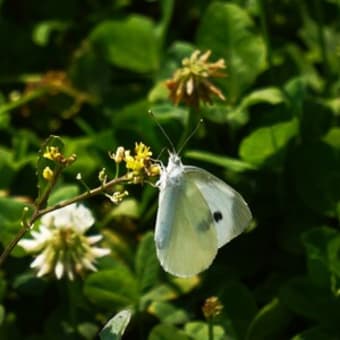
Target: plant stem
(211,328)
(38,212)
(264,26)
(189,128)
(319,15)
(71,287)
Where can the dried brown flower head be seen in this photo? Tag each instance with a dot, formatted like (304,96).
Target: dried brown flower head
(191,83)
(212,307)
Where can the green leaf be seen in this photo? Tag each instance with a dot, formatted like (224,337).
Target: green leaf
(88,330)
(2,314)
(224,161)
(317,177)
(166,112)
(269,322)
(43,31)
(167,332)
(11,213)
(316,242)
(239,306)
(63,193)
(316,333)
(269,95)
(266,142)
(130,43)
(112,288)
(161,292)
(227,30)
(147,266)
(115,328)
(43,162)
(199,331)
(168,313)
(310,301)
(333,138)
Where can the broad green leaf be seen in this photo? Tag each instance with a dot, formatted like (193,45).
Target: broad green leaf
(266,142)
(127,208)
(301,296)
(88,330)
(270,95)
(7,168)
(239,306)
(116,326)
(316,333)
(166,112)
(63,193)
(185,285)
(86,149)
(224,161)
(227,30)
(199,331)
(168,313)
(269,322)
(161,292)
(2,314)
(147,265)
(317,177)
(315,121)
(130,43)
(333,138)
(113,288)
(43,162)
(167,332)
(317,242)
(11,213)
(3,288)
(43,31)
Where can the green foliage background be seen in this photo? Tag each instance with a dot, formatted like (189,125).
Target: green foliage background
(276,139)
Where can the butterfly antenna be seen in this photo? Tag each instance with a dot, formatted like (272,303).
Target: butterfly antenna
(163,131)
(190,136)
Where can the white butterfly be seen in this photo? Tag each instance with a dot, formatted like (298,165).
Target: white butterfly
(197,214)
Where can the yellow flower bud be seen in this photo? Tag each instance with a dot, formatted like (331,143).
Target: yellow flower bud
(48,173)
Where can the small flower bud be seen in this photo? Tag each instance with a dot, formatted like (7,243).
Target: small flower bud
(48,173)
(119,156)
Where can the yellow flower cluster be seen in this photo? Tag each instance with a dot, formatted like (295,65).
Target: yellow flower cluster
(53,153)
(137,164)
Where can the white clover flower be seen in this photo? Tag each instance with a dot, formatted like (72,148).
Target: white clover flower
(63,247)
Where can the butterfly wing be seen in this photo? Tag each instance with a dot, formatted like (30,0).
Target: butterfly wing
(185,235)
(230,212)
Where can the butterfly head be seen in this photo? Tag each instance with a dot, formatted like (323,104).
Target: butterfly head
(171,174)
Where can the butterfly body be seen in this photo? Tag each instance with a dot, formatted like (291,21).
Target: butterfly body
(197,214)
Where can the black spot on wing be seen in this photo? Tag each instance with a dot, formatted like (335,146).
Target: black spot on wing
(217,216)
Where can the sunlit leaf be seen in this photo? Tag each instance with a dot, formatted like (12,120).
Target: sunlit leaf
(147,265)
(224,161)
(168,313)
(228,31)
(199,331)
(266,142)
(269,322)
(167,332)
(113,288)
(317,178)
(130,43)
